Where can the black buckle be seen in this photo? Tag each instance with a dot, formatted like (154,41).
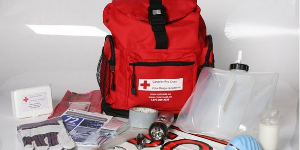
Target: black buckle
(157,15)
(157,21)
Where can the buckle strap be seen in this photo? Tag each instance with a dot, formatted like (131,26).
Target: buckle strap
(157,20)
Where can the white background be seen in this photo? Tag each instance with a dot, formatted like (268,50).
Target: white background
(267,31)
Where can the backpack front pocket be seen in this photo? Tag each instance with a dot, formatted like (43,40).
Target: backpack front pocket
(160,84)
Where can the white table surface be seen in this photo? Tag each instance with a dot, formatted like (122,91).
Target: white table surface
(266,31)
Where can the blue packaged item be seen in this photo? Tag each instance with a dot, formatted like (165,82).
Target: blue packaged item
(243,142)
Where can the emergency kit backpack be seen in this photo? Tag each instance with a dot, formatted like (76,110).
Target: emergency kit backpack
(154,55)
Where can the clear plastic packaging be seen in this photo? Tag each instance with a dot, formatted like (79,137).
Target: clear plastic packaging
(227,103)
(84,106)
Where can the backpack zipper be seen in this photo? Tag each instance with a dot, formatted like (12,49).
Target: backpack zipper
(162,63)
(133,90)
(154,64)
(112,61)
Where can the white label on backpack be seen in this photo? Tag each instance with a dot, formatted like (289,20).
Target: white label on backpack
(160,84)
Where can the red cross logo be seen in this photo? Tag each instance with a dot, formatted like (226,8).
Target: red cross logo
(145,84)
(25,99)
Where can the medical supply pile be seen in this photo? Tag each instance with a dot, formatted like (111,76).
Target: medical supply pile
(218,115)
(76,126)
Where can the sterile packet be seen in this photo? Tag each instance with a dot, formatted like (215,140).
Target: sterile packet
(80,105)
(93,98)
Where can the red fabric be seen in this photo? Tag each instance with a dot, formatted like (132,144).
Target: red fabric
(134,41)
(130,33)
(94,97)
(139,10)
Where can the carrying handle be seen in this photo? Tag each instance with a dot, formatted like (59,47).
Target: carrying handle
(230,83)
(224,97)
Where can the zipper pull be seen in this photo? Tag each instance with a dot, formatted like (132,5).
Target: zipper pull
(133,90)
(113,86)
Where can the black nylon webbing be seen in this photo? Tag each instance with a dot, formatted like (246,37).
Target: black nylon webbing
(157,19)
(155,2)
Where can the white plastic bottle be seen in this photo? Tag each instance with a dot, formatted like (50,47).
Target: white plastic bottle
(269,130)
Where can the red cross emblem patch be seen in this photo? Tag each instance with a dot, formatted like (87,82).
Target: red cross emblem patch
(25,99)
(145,84)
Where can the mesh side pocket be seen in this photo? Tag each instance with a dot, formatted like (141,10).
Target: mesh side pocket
(103,76)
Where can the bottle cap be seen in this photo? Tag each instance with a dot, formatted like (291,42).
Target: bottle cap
(239,64)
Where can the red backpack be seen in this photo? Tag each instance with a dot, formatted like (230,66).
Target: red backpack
(154,55)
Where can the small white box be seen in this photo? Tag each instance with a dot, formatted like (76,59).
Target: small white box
(31,102)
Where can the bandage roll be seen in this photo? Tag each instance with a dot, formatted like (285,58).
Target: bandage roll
(142,117)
